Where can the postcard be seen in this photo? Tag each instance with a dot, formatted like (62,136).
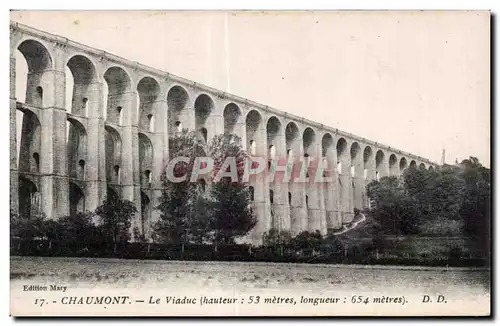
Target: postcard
(250,163)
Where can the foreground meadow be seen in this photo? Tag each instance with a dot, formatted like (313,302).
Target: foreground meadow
(464,289)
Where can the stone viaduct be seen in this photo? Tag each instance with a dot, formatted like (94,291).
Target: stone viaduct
(114,139)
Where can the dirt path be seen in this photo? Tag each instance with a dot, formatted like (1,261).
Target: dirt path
(353,226)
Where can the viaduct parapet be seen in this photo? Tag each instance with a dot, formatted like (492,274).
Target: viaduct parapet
(114,139)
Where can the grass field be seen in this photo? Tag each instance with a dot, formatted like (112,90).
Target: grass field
(238,278)
(119,273)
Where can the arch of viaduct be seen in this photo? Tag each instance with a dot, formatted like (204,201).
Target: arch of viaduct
(117,143)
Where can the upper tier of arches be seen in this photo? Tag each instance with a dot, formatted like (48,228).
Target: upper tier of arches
(125,93)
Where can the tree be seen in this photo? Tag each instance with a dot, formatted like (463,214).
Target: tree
(200,230)
(232,215)
(223,146)
(333,244)
(138,235)
(440,198)
(439,192)
(395,211)
(275,237)
(179,201)
(75,228)
(307,240)
(386,189)
(476,209)
(176,209)
(116,219)
(27,228)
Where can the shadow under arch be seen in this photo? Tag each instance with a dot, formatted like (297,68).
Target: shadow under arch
(273,131)
(379,165)
(29,198)
(148,89)
(403,164)
(111,194)
(253,125)
(76,149)
(84,75)
(393,165)
(342,156)
(39,60)
(145,160)
(76,199)
(203,107)
(118,84)
(113,150)
(308,139)
(145,213)
(367,158)
(30,143)
(232,114)
(178,113)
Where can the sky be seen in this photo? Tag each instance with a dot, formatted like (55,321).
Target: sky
(417,81)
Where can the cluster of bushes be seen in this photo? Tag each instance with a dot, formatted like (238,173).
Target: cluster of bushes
(325,253)
(449,200)
(81,235)
(106,227)
(202,222)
